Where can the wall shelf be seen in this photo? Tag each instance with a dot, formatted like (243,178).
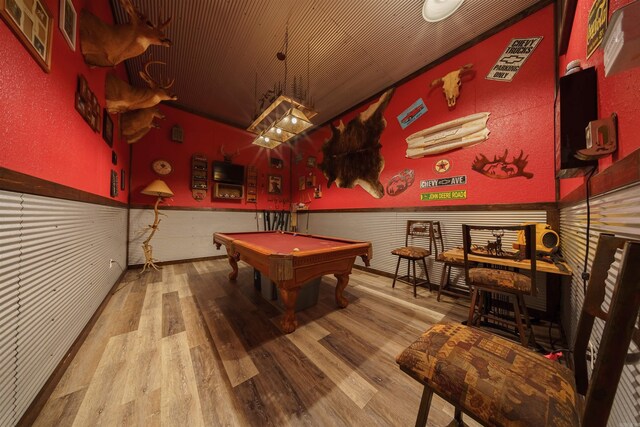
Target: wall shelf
(228,191)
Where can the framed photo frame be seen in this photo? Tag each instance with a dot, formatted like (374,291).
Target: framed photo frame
(32,22)
(276,163)
(301,183)
(87,104)
(311,162)
(107,128)
(274,184)
(68,22)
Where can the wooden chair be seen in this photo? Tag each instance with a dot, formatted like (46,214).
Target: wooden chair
(417,232)
(500,383)
(444,287)
(487,281)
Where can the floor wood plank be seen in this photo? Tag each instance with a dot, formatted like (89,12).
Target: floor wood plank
(186,346)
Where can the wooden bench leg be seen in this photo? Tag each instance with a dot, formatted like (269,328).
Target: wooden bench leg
(425,405)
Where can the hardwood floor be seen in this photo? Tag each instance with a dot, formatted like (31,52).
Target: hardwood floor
(184,346)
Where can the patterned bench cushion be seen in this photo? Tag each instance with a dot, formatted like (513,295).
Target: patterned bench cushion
(500,279)
(499,381)
(414,252)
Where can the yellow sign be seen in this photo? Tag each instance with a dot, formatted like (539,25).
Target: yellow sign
(444,195)
(597,25)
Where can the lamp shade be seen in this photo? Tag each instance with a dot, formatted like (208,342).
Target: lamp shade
(157,188)
(437,10)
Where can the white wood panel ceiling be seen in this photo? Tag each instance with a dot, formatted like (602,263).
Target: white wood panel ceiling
(357,48)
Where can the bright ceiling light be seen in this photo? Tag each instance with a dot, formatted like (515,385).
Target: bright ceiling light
(437,10)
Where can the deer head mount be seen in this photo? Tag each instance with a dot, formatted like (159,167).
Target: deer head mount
(228,157)
(499,168)
(451,84)
(105,45)
(136,124)
(121,96)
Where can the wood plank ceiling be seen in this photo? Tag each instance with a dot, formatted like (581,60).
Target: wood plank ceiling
(224,52)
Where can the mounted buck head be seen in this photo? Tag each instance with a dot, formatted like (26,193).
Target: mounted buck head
(105,45)
(121,96)
(451,84)
(135,124)
(226,156)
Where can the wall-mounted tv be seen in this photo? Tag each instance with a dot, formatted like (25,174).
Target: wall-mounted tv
(227,172)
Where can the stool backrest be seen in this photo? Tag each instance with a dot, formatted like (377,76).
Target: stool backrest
(619,325)
(438,238)
(486,241)
(419,233)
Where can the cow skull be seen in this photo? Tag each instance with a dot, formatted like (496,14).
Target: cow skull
(121,96)
(451,84)
(135,124)
(352,155)
(105,45)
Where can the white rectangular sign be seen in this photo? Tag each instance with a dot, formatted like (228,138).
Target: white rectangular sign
(512,59)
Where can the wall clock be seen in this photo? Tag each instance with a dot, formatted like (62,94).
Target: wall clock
(161,167)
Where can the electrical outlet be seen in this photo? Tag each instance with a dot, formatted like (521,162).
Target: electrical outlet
(111,263)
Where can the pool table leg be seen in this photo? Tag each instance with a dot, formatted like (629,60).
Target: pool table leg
(289,298)
(343,281)
(233,262)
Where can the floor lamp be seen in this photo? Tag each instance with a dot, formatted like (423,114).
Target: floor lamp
(159,189)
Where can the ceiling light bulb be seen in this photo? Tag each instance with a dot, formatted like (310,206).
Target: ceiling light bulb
(266,139)
(278,131)
(294,120)
(437,10)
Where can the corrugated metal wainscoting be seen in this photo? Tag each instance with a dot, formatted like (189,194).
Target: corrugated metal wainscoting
(54,273)
(386,231)
(617,212)
(183,234)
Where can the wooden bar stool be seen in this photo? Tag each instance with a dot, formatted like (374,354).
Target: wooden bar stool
(500,383)
(417,232)
(444,287)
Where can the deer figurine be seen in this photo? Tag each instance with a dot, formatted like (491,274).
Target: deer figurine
(105,45)
(121,96)
(136,124)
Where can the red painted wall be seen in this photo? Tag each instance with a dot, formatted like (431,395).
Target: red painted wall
(41,134)
(521,119)
(617,93)
(205,137)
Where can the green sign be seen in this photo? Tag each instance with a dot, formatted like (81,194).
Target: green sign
(444,195)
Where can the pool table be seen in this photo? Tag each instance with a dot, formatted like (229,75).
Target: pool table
(292,259)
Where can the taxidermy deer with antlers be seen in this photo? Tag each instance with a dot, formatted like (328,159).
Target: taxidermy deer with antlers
(135,124)
(121,96)
(451,84)
(105,45)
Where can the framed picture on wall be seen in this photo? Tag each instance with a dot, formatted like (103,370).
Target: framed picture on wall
(67,22)
(32,22)
(275,184)
(311,162)
(107,129)
(276,163)
(301,183)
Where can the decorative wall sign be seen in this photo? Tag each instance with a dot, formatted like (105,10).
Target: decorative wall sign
(311,180)
(461,132)
(443,182)
(499,168)
(177,133)
(311,162)
(409,115)
(68,22)
(597,25)
(400,182)
(442,166)
(444,195)
(87,104)
(513,57)
(301,183)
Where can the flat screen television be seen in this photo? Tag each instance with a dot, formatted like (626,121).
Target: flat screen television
(227,172)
